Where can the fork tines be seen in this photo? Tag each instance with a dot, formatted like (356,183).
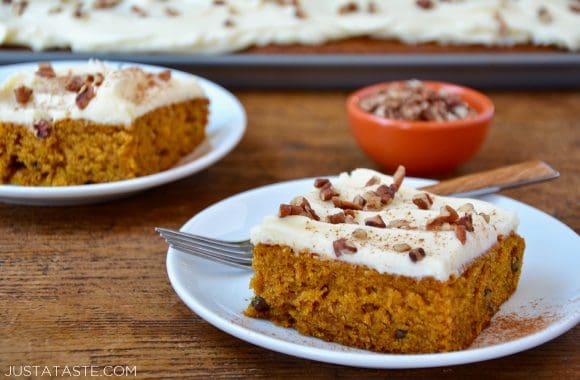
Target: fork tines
(238,254)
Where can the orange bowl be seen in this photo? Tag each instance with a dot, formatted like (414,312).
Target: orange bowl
(423,147)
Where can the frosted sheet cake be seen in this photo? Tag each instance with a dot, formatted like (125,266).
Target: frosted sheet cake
(370,263)
(219,26)
(91,123)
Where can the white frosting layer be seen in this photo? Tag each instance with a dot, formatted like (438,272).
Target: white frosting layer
(445,254)
(199,25)
(124,95)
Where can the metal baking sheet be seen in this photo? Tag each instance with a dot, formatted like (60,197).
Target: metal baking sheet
(481,70)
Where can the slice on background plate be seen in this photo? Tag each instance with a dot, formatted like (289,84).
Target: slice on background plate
(225,127)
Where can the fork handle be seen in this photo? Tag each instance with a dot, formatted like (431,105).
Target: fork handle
(494,180)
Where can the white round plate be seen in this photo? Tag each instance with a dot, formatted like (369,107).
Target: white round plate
(227,123)
(546,303)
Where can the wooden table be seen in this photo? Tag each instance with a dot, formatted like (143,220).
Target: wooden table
(87,285)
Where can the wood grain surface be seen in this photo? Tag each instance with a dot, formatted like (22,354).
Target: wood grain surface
(87,285)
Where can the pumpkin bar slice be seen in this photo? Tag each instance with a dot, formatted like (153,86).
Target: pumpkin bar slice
(371,263)
(94,122)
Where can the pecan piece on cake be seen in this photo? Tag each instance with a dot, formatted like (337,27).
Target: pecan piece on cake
(417,254)
(45,70)
(375,221)
(345,205)
(85,95)
(447,214)
(343,247)
(337,218)
(23,94)
(423,201)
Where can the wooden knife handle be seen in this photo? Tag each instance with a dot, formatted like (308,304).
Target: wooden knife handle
(496,179)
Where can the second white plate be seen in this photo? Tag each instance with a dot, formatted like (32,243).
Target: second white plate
(227,123)
(545,305)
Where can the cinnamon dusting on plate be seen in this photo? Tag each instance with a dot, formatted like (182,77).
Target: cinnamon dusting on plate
(512,326)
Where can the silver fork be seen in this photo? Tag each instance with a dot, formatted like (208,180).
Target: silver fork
(234,253)
(239,253)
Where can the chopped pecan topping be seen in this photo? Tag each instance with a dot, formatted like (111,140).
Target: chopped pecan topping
(43,128)
(299,12)
(485,217)
(423,201)
(74,83)
(416,254)
(445,227)
(337,218)
(45,70)
(345,205)
(544,15)
(78,11)
(219,2)
(386,193)
(308,209)
(447,214)
(99,78)
(403,247)
(373,181)
(398,177)
(574,7)
(399,223)
(85,95)
(412,100)
(287,210)
(349,7)
(321,182)
(375,221)
(19,7)
(372,7)
(373,201)
(229,23)
(466,208)
(359,233)
(466,221)
(138,11)
(327,192)
(103,4)
(343,247)
(23,94)
(55,10)
(171,12)
(448,219)
(359,201)
(425,4)
(302,208)
(460,233)
(350,217)
(165,75)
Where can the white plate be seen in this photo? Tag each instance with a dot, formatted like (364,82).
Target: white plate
(227,123)
(546,303)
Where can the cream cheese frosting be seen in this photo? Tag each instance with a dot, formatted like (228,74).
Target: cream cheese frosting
(207,26)
(120,95)
(445,254)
